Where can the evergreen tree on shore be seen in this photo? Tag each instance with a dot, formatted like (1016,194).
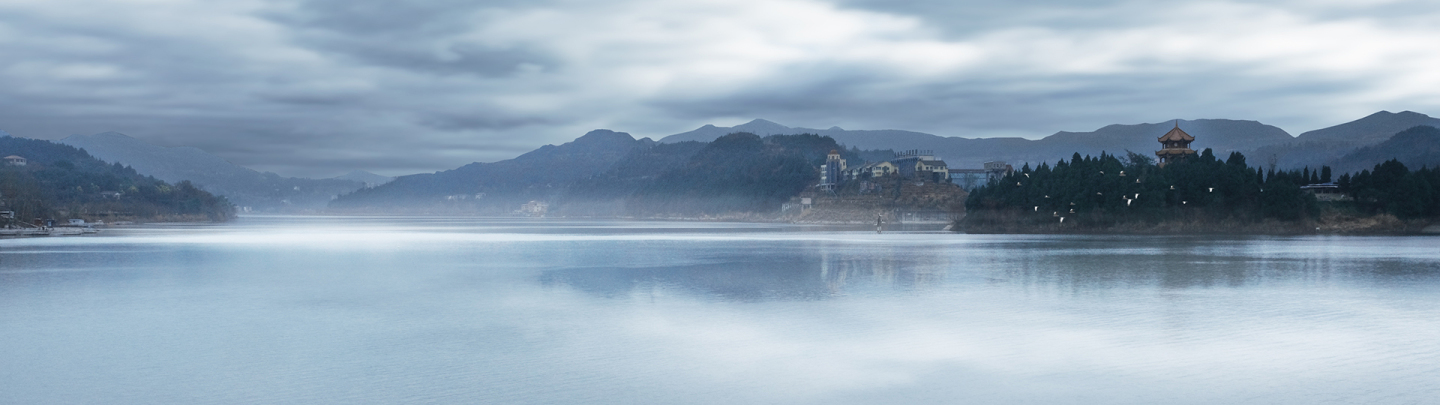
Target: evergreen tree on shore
(1105,190)
(1393,189)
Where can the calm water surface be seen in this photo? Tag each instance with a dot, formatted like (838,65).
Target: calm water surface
(286,310)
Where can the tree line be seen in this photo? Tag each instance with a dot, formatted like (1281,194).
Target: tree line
(1107,189)
(1391,188)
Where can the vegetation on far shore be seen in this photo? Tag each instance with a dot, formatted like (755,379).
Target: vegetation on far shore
(62,182)
(608,174)
(1201,194)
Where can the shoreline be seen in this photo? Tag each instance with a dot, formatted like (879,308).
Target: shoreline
(1378,225)
(1357,226)
(868,218)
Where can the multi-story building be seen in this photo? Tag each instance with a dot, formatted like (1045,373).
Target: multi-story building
(832,173)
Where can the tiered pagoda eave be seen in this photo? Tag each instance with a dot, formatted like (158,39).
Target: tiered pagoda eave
(1174,145)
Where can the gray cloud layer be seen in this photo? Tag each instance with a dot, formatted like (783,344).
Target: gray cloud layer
(317,88)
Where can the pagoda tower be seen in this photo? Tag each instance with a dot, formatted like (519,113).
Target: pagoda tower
(1174,145)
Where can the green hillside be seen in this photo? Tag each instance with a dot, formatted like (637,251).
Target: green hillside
(62,182)
(739,172)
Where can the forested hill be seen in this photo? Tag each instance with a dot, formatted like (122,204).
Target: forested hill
(605,194)
(263,192)
(1415,147)
(499,187)
(62,182)
(737,173)
(1330,146)
(610,174)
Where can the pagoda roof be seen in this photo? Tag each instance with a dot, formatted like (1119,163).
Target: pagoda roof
(1177,134)
(1174,151)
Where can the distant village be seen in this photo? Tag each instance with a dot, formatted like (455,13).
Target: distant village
(865,178)
(911,164)
(923,166)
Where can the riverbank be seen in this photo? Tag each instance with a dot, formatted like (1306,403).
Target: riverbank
(1329,223)
(14,229)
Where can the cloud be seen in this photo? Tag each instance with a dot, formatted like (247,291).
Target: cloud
(322,87)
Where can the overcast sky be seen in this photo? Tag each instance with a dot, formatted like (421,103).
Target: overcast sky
(317,88)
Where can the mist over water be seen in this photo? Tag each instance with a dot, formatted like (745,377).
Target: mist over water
(304,310)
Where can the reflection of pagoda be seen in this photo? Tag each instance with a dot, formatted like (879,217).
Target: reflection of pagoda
(1174,145)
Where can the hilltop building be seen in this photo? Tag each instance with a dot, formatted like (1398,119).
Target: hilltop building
(13,160)
(921,164)
(917,164)
(832,173)
(870,170)
(1174,145)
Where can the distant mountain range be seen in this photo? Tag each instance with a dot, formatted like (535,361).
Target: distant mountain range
(1415,147)
(609,165)
(607,173)
(611,173)
(364,177)
(498,187)
(1329,146)
(1258,141)
(264,192)
(1372,129)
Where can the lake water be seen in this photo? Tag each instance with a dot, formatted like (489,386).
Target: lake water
(320,310)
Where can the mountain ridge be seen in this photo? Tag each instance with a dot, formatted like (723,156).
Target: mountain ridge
(1371,129)
(62,181)
(367,178)
(1224,135)
(1331,144)
(243,186)
(498,187)
(1415,147)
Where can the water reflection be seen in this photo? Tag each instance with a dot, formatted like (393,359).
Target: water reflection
(417,310)
(822,274)
(809,270)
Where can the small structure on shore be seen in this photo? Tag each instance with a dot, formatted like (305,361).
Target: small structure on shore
(1325,191)
(534,209)
(1174,145)
(969,179)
